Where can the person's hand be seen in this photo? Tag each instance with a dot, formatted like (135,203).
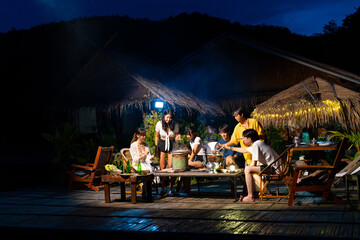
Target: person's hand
(146,152)
(220,146)
(178,137)
(229,158)
(226,146)
(152,158)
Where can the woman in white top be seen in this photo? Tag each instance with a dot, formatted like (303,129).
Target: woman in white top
(140,151)
(197,157)
(166,131)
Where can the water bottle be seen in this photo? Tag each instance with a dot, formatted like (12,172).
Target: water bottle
(128,167)
(306,138)
(139,167)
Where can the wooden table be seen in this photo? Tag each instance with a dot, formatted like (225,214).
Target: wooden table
(134,180)
(231,176)
(314,148)
(331,147)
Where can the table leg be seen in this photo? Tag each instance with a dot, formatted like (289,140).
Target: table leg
(107,192)
(133,192)
(148,188)
(144,190)
(122,191)
(234,187)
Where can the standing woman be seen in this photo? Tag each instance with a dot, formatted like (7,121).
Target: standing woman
(166,131)
(140,151)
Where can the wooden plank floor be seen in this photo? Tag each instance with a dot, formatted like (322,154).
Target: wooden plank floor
(45,212)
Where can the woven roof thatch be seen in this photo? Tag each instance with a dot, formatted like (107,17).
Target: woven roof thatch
(311,103)
(106,83)
(147,90)
(236,71)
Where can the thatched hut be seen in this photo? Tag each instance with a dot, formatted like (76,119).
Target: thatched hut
(235,71)
(108,92)
(312,103)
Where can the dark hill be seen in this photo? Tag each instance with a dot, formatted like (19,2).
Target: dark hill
(37,64)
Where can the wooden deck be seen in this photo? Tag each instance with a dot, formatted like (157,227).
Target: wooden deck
(46,211)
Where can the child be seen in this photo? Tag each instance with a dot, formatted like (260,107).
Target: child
(229,156)
(261,154)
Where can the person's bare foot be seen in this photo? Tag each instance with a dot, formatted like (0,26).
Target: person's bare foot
(247,199)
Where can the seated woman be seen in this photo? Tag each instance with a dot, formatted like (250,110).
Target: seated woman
(140,151)
(197,157)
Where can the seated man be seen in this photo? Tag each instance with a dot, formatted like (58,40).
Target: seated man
(262,155)
(229,156)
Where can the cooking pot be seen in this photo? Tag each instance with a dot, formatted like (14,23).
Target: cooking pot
(180,159)
(214,157)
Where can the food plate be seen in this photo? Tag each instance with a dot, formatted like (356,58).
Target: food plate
(324,144)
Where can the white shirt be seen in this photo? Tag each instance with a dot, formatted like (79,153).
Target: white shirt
(265,155)
(166,135)
(135,154)
(198,141)
(163,133)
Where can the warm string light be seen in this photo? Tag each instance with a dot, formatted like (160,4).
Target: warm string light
(327,106)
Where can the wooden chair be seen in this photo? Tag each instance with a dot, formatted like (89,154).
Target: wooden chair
(350,174)
(91,172)
(270,176)
(352,165)
(319,188)
(126,157)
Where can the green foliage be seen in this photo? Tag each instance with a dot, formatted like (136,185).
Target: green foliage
(276,141)
(150,121)
(353,138)
(68,148)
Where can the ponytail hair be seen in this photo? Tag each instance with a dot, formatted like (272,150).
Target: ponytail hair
(139,131)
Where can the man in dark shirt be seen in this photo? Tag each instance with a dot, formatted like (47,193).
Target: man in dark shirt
(229,155)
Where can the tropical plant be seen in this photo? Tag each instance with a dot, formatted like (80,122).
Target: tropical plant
(276,141)
(150,121)
(353,138)
(68,148)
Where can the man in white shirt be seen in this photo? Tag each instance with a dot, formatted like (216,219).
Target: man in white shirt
(262,155)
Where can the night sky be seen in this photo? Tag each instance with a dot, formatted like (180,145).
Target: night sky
(300,16)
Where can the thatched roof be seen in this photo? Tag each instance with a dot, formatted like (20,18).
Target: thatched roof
(311,103)
(106,83)
(236,71)
(147,91)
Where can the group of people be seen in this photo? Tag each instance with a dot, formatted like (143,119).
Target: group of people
(246,142)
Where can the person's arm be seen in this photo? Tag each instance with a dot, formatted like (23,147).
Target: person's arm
(236,155)
(134,154)
(156,139)
(237,149)
(149,157)
(194,151)
(260,131)
(225,145)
